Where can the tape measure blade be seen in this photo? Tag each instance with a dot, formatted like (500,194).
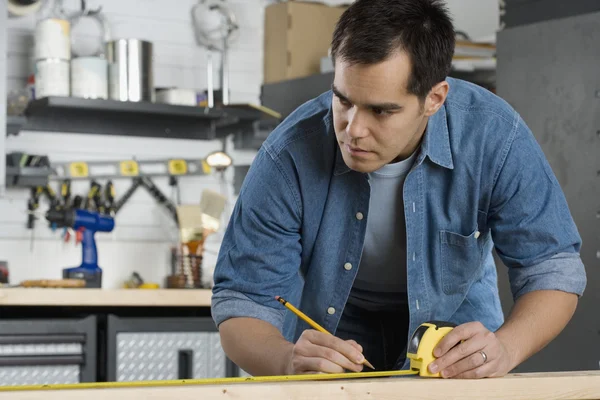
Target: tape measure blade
(212,381)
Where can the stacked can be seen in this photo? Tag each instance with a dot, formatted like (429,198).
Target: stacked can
(89,77)
(52,58)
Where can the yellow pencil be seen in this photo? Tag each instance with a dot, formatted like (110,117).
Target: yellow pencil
(309,321)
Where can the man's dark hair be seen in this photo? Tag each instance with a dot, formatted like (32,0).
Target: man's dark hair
(370,31)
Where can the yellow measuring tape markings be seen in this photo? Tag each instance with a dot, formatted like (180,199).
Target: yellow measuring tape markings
(210,381)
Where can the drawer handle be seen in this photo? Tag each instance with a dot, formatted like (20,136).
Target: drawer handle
(68,359)
(185,364)
(42,339)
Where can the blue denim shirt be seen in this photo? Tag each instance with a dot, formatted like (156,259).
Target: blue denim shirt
(480,181)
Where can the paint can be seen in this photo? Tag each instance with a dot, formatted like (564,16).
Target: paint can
(52,39)
(52,78)
(130,73)
(89,78)
(177,96)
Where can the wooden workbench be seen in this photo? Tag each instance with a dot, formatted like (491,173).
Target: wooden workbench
(105,297)
(542,386)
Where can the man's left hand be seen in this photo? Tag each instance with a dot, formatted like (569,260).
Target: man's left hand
(471,351)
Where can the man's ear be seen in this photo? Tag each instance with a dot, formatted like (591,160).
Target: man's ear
(436,98)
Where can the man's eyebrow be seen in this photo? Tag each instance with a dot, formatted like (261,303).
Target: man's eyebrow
(378,106)
(338,93)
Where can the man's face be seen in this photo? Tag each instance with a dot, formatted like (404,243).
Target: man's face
(376,120)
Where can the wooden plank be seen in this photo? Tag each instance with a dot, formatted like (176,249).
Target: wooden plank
(105,297)
(557,386)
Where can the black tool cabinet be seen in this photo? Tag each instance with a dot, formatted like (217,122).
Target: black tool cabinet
(45,351)
(57,345)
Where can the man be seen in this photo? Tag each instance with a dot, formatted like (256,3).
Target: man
(375,207)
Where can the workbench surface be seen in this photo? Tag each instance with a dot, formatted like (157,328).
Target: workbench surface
(105,297)
(556,386)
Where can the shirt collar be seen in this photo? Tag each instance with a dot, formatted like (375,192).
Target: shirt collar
(435,144)
(436,141)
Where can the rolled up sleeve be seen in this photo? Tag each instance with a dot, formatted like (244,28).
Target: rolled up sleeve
(564,272)
(530,221)
(260,254)
(228,304)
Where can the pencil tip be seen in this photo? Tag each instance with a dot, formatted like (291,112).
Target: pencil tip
(368,364)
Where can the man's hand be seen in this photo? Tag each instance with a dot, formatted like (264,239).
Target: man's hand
(471,351)
(317,352)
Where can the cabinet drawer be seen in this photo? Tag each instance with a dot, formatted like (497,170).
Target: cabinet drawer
(34,352)
(146,349)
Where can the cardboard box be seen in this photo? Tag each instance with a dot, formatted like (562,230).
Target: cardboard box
(297,36)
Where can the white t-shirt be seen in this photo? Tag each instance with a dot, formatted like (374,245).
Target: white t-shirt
(381,280)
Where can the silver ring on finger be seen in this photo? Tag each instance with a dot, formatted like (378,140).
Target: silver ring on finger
(484,356)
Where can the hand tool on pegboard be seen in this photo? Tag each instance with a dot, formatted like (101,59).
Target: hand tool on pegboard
(91,196)
(109,198)
(135,184)
(65,193)
(154,191)
(159,196)
(33,203)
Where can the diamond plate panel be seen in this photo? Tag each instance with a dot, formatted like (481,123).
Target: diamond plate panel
(154,356)
(40,349)
(42,375)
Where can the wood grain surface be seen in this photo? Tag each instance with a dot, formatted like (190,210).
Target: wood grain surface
(532,386)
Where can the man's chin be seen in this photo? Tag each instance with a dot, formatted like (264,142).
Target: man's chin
(361,166)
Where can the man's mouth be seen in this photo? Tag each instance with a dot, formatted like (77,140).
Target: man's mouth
(356,151)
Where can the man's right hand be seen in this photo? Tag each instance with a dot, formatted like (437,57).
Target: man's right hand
(317,352)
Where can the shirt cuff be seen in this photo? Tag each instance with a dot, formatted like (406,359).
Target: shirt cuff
(226,304)
(564,272)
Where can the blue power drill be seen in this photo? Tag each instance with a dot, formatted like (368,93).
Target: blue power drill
(91,222)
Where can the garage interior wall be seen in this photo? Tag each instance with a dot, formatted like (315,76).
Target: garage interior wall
(139,242)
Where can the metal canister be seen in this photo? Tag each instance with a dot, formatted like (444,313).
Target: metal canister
(130,72)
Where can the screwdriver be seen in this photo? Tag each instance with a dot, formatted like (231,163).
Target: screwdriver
(54,202)
(32,205)
(65,193)
(109,195)
(92,193)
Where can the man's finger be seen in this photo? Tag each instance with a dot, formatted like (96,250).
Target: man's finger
(316,351)
(452,338)
(355,345)
(337,344)
(459,352)
(472,362)
(318,365)
(485,371)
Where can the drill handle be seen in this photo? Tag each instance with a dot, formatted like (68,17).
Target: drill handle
(90,252)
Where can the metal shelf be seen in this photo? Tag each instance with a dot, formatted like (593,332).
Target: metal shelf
(14,124)
(109,117)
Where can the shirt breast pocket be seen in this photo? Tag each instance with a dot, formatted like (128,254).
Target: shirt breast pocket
(461,261)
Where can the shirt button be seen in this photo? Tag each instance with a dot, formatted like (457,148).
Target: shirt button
(359,216)
(348,266)
(331,311)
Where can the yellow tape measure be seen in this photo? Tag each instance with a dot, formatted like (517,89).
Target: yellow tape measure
(420,353)
(209,381)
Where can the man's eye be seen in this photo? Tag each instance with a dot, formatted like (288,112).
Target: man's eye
(379,111)
(344,102)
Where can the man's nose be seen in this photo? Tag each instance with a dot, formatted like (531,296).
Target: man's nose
(357,126)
